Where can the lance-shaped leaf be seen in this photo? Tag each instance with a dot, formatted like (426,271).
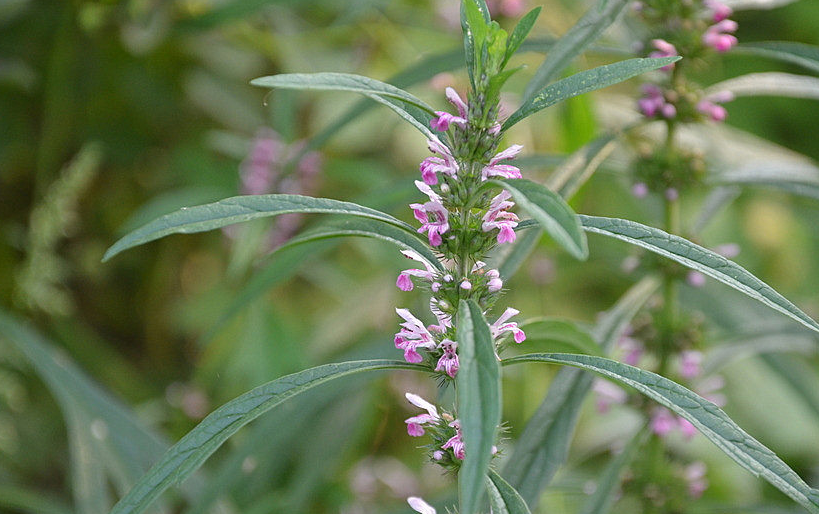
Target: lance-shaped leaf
(552,213)
(479,401)
(474,20)
(575,41)
(800,54)
(769,83)
(502,497)
(237,209)
(519,34)
(561,333)
(712,422)
(544,444)
(697,258)
(584,82)
(408,106)
(792,176)
(196,446)
(365,227)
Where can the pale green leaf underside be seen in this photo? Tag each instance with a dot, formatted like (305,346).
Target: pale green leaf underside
(795,177)
(770,83)
(237,209)
(712,422)
(196,446)
(738,5)
(584,82)
(552,213)
(800,54)
(479,401)
(365,227)
(502,497)
(698,258)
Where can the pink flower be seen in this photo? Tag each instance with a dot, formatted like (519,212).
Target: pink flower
(444,319)
(434,220)
(500,326)
(495,283)
(413,334)
(444,120)
(662,421)
(671,194)
(455,443)
(719,37)
(695,279)
(690,365)
(632,348)
(608,394)
(497,217)
(710,105)
(653,102)
(640,189)
(719,10)
(446,163)
(419,505)
(694,475)
(449,360)
(496,169)
(404,282)
(415,424)
(664,49)
(686,427)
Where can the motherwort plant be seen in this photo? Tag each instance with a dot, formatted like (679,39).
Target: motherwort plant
(470,186)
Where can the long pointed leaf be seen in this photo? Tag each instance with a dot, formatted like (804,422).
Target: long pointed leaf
(712,422)
(550,211)
(479,401)
(196,446)
(520,32)
(502,497)
(585,32)
(800,54)
(770,83)
(585,81)
(237,209)
(368,228)
(698,258)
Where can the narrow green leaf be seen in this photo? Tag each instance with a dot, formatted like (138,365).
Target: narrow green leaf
(800,54)
(553,214)
(479,401)
(196,446)
(770,83)
(544,444)
(608,485)
(502,497)
(584,82)
(563,332)
(474,21)
(519,33)
(367,228)
(585,32)
(739,5)
(411,114)
(698,258)
(792,176)
(237,209)
(712,422)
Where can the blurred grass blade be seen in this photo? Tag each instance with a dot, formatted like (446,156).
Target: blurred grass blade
(479,401)
(88,481)
(585,81)
(800,377)
(520,32)
(563,332)
(608,485)
(712,422)
(367,228)
(585,32)
(697,258)
(806,56)
(237,209)
(581,165)
(502,497)
(186,456)
(544,444)
(794,177)
(550,211)
(718,199)
(739,5)
(770,83)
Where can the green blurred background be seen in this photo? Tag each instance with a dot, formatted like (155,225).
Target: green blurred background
(112,113)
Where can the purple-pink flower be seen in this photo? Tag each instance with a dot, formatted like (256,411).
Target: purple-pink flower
(434,220)
(710,105)
(497,217)
(404,281)
(719,35)
(719,11)
(503,325)
(419,505)
(413,335)
(653,103)
(431,166)
(415,424)
(445,119)
(608,394)
(690,365)
(449,360)
(663,49)
(495,168)
(694,476)
(455,443)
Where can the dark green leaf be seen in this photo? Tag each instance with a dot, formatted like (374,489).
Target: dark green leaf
(368,228)
(800,54)
(502,497)
(474,21)
(697,258)
(584,82)
(585,32)
(196,446)
(520,32)
(479,401)
(553,214)
(712,422)
(237,209)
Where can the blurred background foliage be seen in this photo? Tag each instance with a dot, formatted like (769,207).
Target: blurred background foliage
(114,112)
